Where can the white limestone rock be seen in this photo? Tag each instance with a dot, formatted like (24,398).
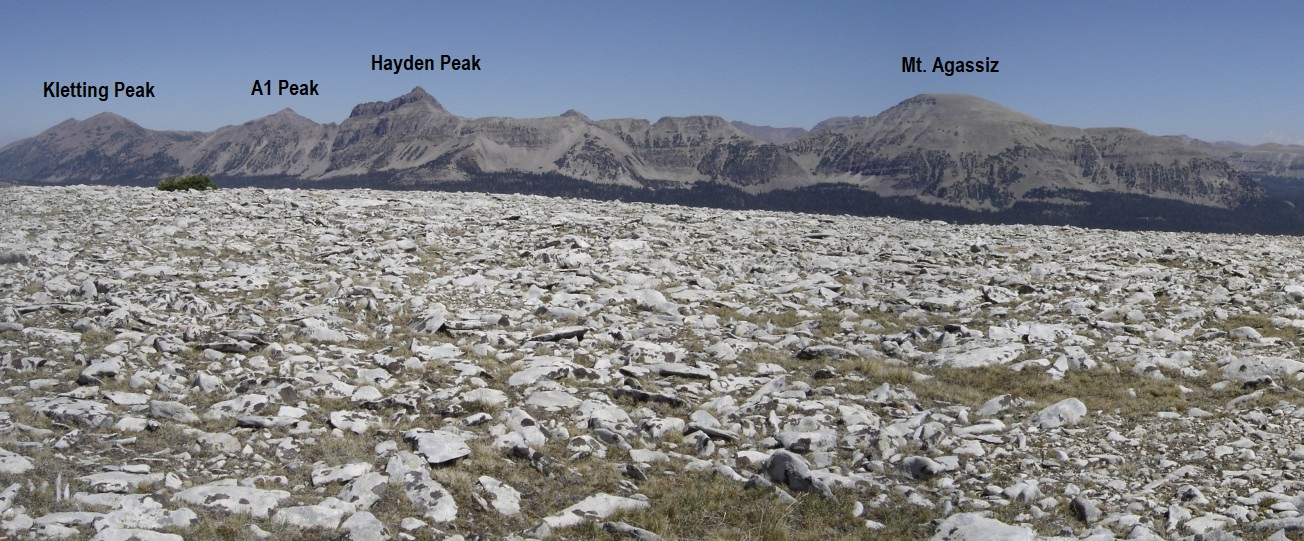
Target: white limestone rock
(439,446)
(412,474)
(499,496)
(323,474)
(976,527)
(12,463)
(309,517)
(251,501)
(595,507)
(1067,412)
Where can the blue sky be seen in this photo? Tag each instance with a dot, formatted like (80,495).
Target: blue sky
(1212,70)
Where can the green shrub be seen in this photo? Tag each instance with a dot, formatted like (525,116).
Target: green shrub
(192,182)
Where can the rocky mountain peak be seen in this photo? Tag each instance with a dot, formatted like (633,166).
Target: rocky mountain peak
(571,113)
(952,109)
(101,121)
(705,122)
(99,124)
(832,124)
(417,97)
(285,117)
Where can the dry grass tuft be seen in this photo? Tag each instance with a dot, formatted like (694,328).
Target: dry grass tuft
(693,505)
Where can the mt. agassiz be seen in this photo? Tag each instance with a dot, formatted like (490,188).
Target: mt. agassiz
(954,157)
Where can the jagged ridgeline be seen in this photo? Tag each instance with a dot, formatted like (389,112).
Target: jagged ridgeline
(944,156)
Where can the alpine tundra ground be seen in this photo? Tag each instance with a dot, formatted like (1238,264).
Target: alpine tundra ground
(243,364)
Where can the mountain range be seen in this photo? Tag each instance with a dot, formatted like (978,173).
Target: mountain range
(946,156)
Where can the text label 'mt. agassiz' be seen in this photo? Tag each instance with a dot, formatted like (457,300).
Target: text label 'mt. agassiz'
(915,64)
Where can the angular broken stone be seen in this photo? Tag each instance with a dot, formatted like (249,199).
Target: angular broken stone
(412,474)
(309,516)
(922,468)
(87,413)
(358,422)
(976,527)
(682,370)
(595,507)
(561,334)
(134,534)
(623,530)
(146,513)
(364,526)
(439,446)
(172,411)
(323,474)
(13,463)
(98,371)
(364,491)
(251,501)
(790,470)
(825,351)
(1067,412)
(500,496)
(120,482)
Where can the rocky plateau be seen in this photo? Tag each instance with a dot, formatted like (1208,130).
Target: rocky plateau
(367,365)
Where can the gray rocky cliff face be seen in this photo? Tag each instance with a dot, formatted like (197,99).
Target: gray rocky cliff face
(771,134)
(1272,159)
(281,144)
(970,152)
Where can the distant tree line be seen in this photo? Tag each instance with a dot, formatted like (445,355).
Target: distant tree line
(192,182)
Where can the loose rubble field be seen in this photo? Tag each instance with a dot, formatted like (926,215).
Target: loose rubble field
(367,365)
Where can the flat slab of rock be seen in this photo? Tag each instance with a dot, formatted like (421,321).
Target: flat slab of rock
(541,368)
(134,534)
(439,446)
(138,512)
(358,422)
(13,463)
(125,399)
(595,507)
(252,501)
(87,413)
(1254,368)
(172,411)
(976,527)
(978,357)
(120,482)
(825,352)
(561,334)
(682,370)
(552,400)
(309,516)
(323,475)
